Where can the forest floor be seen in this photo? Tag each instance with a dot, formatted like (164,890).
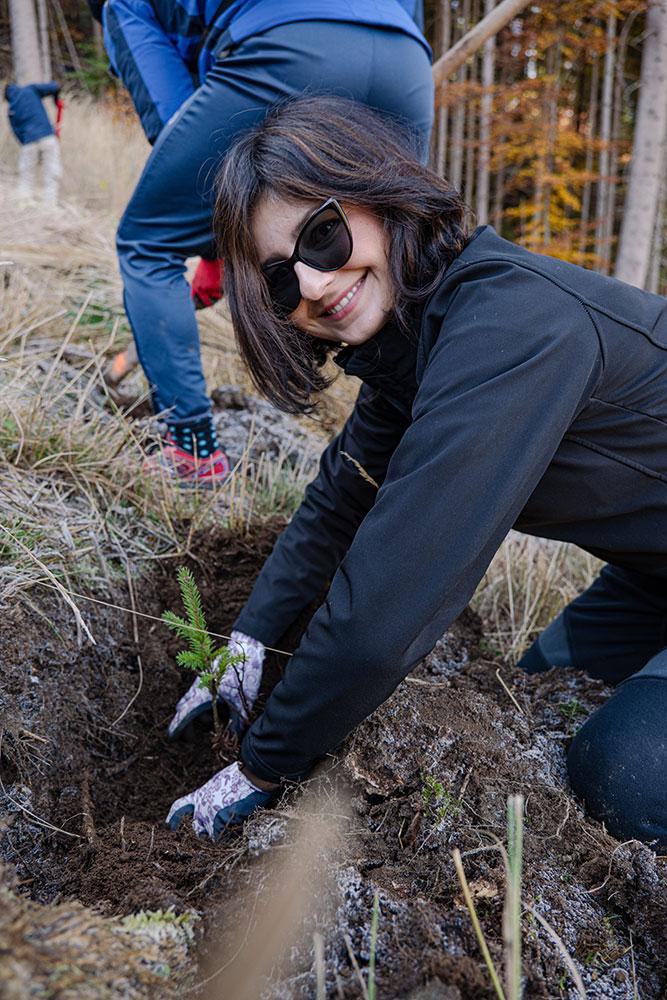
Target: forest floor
(98,899)
(84,749)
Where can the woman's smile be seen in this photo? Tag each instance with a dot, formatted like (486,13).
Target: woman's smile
(345,303)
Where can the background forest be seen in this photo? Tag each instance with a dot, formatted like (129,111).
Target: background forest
(536,128)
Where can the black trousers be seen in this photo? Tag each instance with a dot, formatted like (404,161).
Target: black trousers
(617,630)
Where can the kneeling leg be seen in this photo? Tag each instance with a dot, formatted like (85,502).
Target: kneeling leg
(610,631)
(618,760)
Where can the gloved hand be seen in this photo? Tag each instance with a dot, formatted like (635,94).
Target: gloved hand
(60,107)
(226,799)
(206,287)
(238,688)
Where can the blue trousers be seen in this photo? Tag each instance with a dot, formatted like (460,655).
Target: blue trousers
(169,217)
(617,630)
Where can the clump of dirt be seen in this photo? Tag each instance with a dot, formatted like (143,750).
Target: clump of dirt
(70,952)
(431,771)
(88,776)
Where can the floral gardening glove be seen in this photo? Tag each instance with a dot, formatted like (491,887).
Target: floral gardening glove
(226,799)
(238,688)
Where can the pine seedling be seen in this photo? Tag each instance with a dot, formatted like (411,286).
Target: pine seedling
(202,656)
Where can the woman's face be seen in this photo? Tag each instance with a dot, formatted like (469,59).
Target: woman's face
(363,285)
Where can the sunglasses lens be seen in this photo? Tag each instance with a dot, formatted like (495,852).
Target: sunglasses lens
(283,288)
(325,241)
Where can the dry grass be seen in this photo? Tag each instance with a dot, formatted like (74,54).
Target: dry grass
(74,491)
(76,504)
(74,499)
(528,583)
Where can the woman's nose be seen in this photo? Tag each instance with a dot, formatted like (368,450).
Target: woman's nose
(313,283)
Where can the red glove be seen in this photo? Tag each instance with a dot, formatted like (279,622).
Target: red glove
(60,104)
(207,283)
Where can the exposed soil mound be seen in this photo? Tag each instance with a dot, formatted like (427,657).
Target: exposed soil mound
(69,952)
(88,776)
(434,767)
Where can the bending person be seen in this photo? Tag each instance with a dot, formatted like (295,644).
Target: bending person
(38,138)
(197,84)
(500,388)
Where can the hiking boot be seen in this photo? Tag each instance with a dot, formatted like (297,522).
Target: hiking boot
(188,470)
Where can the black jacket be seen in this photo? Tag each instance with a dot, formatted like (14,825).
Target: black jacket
(536,397)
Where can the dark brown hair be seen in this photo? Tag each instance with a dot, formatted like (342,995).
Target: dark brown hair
(313,148)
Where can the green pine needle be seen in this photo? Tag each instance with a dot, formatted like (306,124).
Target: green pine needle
(191,597)
(200,642)
(186,658)
(201,654)
(178,624)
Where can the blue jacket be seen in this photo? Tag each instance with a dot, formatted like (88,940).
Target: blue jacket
(27,117)
(162,49)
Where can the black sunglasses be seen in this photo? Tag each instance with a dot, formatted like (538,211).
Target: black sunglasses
(324,242)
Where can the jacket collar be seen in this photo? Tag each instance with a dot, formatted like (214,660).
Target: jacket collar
(387,362)
(391,351)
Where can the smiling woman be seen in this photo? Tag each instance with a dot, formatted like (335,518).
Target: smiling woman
(406,226)
(500,389)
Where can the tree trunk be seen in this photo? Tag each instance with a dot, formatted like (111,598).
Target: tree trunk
(602,201)
(443,110)
(645,168)
(588,165)
(554,88)
(485,112)
(44,40)
(471,118)
(539,235)
(499,190)
(501,171)
(459,117)
(653,283)
(616,130)
(69,41)
(25,42)
(98,39)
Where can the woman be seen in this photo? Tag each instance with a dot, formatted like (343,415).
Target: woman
(199,73)
(500,388)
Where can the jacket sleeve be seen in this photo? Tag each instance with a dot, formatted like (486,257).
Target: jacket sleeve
(50,89)
(514,362)
(316,539)
(146,60)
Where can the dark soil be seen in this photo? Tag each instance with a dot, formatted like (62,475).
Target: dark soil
(66,762)
(67,759)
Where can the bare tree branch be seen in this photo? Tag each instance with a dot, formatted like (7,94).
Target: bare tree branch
(475,38)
